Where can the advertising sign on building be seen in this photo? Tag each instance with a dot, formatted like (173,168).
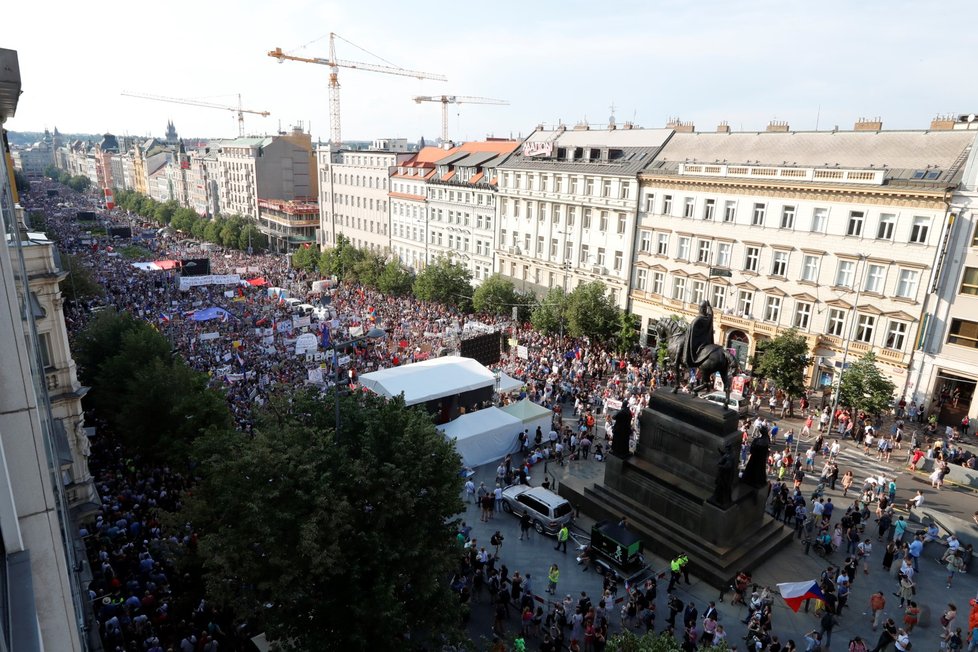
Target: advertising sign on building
(545,148)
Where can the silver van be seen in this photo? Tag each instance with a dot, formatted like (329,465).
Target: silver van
(548,511)
(737,403)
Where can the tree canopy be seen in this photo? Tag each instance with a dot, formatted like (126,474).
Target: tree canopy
(591,312)
(445,282)
(628,641)
(317,534)
(783,360)
(79,285)
(496,295)
(550,312)
(156,403)
(864,387)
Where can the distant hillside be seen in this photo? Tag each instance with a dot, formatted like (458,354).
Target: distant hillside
(31,137)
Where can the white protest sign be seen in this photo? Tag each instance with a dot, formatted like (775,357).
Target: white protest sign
(305,343)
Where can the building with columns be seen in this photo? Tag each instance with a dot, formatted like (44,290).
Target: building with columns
(832,233)
(567,206)
(462,205)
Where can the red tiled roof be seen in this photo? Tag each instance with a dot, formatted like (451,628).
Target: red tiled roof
(476,178)
(448,175)
(497,146)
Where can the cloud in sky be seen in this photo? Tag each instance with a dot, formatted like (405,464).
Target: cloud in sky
(707,61)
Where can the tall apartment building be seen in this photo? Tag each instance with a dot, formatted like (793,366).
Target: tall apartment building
(567,207)
(272,167)
(40,590)
(947,375)
(409,206)
(353,197)
(832,233)
(462,205)
(203,182)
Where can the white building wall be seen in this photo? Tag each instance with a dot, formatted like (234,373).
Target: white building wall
(360,197)
(409,220)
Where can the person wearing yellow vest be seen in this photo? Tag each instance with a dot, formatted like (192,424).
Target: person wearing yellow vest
(552,576)
(677,568)
(562,537)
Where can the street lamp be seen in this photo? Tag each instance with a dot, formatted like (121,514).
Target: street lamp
(373,333)
(845,350)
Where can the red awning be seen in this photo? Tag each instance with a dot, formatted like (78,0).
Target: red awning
(257,282)
(167,264)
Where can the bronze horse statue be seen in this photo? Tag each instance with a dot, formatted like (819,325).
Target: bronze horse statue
(710,358)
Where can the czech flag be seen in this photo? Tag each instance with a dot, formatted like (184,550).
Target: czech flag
(165,318)
(794,593)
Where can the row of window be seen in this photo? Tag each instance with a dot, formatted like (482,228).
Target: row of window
(482,221)
(553,253)
(362,181)
(460,196)
(360,202)
(789,218)
(569,183)
(743,303)
(720,254)
(559,212)
(362,225)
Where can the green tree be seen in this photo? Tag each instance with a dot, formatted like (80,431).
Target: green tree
(21,182)
(340,261)
(52,172)
(591,312)
(79,183)
(445,282)
(368,269)
(783,360)
(865,388)
(628,641)
(164,212)
(79,284)
(258,241)
(496,295)
(395,279)
(627,332)
(230,232)
(306,258)
(550,313)
(294,516)
(212,232)
(156,403)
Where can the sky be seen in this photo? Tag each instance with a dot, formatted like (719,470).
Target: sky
(811,64)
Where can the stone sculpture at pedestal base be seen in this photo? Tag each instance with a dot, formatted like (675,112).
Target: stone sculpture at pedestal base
(671,493)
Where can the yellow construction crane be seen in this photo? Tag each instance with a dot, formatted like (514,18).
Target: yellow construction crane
(334,82)
(207,105)
(454,99)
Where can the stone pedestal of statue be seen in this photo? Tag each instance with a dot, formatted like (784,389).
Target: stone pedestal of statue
(669,491)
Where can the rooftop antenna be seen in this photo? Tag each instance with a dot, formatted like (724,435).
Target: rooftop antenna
(818,114)
(611,118)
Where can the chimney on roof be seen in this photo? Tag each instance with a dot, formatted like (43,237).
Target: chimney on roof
(868,124)
(778,126)
(680,127)
(581,126)
(942,123)
(723,128)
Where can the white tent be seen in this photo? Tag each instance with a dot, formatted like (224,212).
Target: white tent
(484,436)
(531,415)
(509,384)
(430,379)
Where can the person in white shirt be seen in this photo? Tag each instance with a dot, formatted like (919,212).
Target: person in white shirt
(469,491)
(902,643)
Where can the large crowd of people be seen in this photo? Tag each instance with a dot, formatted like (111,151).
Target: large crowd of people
(249,349)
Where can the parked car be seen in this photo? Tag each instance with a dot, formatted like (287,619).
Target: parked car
(737,403)
(548,511)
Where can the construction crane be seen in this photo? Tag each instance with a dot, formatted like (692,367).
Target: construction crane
(454,99)
(334,81)
(207,105)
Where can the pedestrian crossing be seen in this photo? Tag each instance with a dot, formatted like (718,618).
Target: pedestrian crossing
(863,464)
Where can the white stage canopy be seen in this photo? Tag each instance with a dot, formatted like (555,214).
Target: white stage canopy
(430,379)
(509,384)
(484,436)
(531,415)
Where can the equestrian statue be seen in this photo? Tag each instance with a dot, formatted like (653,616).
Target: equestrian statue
(693,347)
